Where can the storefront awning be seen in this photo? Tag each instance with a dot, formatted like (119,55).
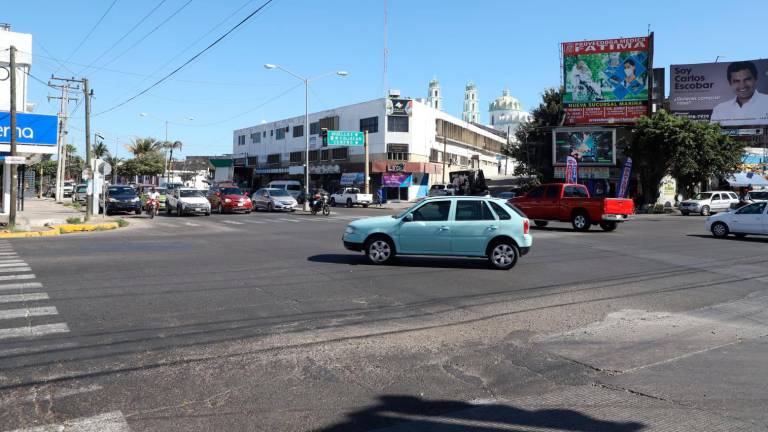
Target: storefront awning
(746,179)
(221,163)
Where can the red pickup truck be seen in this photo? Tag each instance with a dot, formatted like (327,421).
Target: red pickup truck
(571,202)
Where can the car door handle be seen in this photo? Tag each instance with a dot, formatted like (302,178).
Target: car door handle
(492,227)
(445,228)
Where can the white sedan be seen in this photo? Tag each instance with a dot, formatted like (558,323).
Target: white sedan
(750,219)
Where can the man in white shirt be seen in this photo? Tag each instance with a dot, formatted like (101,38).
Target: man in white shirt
(749,107)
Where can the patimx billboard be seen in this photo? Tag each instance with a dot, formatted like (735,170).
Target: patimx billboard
(606,81)
(732,94)
(589,146)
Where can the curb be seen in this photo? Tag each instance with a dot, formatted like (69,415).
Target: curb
(62,229)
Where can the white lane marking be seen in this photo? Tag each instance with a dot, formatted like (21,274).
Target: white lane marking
(14,277)
(15,269)
(232,222)
(57,394)
(33,331)
(28,312)
(289,220)
(12,263)
(251,221)
(9,258)
(15,298)
(7,253)
(110,422)
(36,349)
(191,224)
(21,285)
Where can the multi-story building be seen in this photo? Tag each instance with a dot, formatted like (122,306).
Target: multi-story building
(410,143)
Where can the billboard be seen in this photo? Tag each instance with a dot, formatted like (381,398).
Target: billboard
(606,81)
(732,94)
(35,129)
(589,146)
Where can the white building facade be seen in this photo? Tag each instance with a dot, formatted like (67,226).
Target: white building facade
(471,109)
(506,114)
(408,145)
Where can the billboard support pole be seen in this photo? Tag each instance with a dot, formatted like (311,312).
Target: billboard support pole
(13,168)
(650,74)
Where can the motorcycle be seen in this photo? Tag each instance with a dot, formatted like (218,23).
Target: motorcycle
(152,207)
(320,203)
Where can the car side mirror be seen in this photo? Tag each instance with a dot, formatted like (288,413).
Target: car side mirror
(408,217)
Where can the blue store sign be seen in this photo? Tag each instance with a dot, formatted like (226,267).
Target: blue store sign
(34,129)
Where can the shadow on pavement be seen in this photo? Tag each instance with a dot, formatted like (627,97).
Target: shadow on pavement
(409,413)
(593,230)
(403,261)
(747,239)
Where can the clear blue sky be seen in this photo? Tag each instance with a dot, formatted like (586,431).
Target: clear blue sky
(495,43)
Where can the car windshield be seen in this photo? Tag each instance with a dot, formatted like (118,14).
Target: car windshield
(81,189)
(703,196)
(124,190)
(763,195)
(190,193)
(231,191)
(278,193)
(293,187)
(406,211)
(161,191)
(353,191)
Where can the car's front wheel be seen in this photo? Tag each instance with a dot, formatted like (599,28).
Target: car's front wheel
(720,230)
(705,211)
(379,250)
(503,255)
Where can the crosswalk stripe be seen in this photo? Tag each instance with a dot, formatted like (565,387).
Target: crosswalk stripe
(15,298)
(28,312)
(15,269)
(251,221)
(12,263)
(232,222)
(289,220)
(9,257)
(110,422)
(21,285)
(33,331)
(7,253)
(14,277)
(191,224)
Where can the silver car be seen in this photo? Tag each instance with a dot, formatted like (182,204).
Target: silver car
(79,193)
(705,203)
(272,199)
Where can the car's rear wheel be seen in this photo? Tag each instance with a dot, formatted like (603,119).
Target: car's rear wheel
(503,255)
(705,211)
(580,221)
(379,250)
(349,202)
(720,230)
(608,226)
(541,223)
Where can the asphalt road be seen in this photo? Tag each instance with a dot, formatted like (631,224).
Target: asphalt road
(265,322)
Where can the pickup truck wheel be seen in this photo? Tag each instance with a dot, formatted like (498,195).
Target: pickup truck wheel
(503,255)
(541,223)
(349,202)
(365,205)
(580,221)
(333,202)
(379,250)
(608,226)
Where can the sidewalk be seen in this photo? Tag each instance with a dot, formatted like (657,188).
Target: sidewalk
(39,213)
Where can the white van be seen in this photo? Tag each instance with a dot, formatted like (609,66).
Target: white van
(292,186)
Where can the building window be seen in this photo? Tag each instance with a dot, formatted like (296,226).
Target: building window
(313,155)
(271,132)
(325,155)
(314,128)
(463,161)
(370,124)
(434,155)
(297,158)
(330,123)
(280,134)
(241,140)
(273,159)
(340,153)
(256,137)
(397,124)
(298,131)
(445,129)
(397,151)
(264,134)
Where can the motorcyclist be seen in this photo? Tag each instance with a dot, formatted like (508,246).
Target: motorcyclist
(153,196)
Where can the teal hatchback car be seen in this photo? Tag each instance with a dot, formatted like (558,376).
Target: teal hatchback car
(448,226)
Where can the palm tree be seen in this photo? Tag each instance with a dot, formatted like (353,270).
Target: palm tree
(115,162)
(140,146)
(99,150)
(172,145)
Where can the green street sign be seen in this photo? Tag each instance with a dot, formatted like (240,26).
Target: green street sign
(346,138)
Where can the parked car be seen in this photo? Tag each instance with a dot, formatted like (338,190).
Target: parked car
(448,226)
(441,190)
(350,197)
(706,203)
(294,187)
(187,201)
(228,198)
(68,188)
(121,199)
(79,193)
(750,219)
(274,199)
(571,202)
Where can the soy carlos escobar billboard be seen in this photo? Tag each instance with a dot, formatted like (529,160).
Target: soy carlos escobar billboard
(607,81)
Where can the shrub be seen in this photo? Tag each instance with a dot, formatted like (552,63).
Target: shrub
(74,220)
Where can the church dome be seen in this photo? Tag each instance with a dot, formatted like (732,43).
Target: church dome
(505,103)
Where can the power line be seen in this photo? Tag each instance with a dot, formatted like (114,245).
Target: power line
(193,58)
(91,31)
(141,21)
(176,12)
(250,110)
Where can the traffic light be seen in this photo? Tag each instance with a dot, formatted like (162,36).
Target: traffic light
(324,136)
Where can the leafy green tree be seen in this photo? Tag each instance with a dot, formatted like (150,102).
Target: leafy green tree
(139,146)
(149,163)
(533,149)
(692,152)
(99,150)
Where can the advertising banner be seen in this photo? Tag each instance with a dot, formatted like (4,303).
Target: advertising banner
(35,129)
(399,107)
(732,94)
(350,179)
(571,170)
(588,146)
(601,173)
(621,191)
(606,81)
(396,179)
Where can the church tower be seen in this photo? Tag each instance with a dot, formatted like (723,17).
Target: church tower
(471,113)
(435,97)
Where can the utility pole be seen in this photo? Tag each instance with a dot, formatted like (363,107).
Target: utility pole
(367,162)
(89,190)
(13,168)
(61,165)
